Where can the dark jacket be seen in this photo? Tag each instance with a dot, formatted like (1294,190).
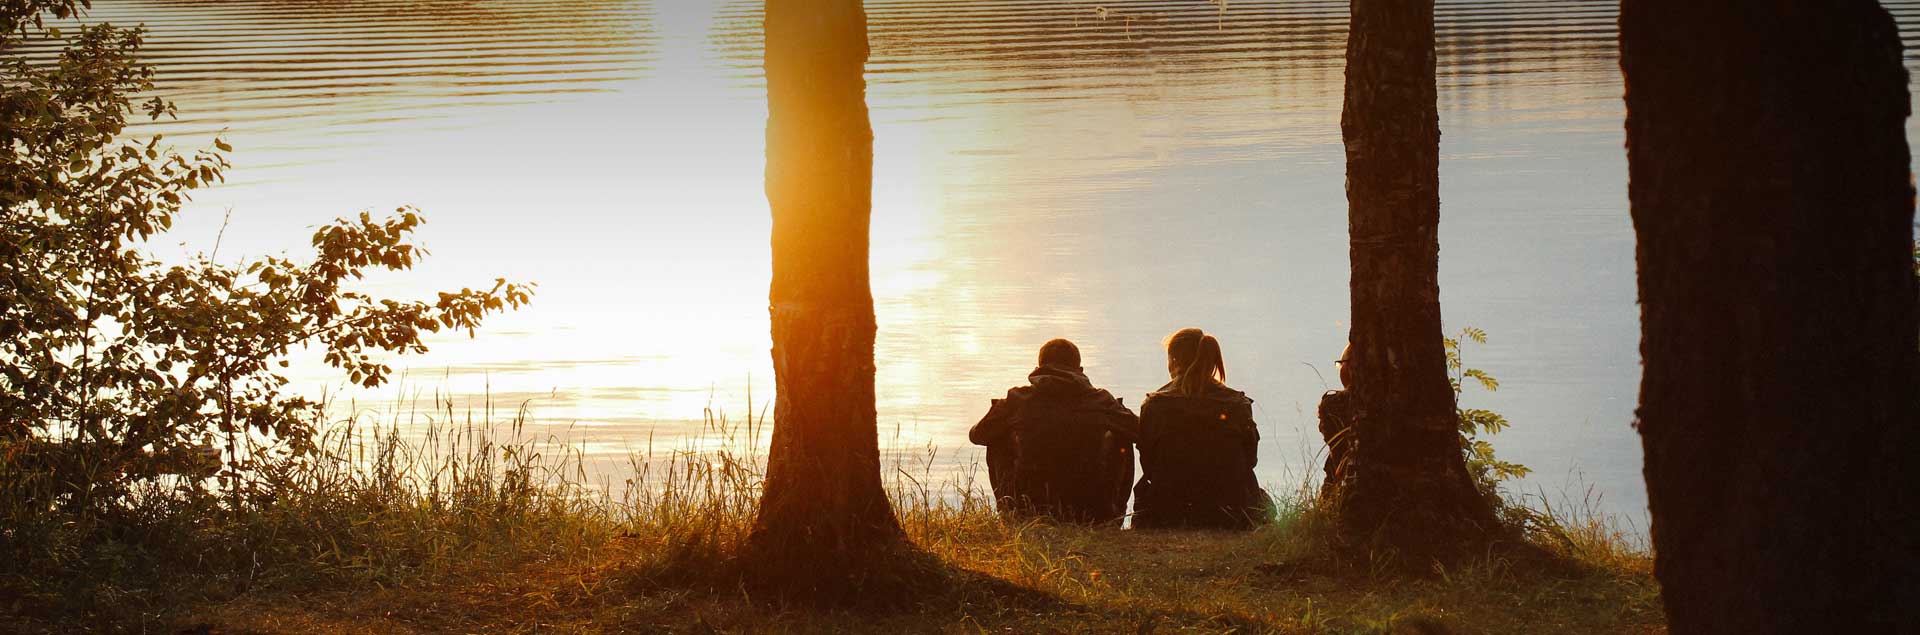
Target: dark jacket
(1336,425)
(1059,447)
(1197,455)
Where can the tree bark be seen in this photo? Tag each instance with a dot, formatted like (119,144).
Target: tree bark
(824,511)
(1406,485)
(1773,205)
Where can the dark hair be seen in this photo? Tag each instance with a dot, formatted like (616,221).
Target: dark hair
(1059,352)
(1197,354)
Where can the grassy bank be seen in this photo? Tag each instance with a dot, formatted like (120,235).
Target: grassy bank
(455,531)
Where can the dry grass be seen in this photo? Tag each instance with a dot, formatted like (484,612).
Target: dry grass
(1032,579)
(456,532)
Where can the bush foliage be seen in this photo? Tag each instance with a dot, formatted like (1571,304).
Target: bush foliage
(1475,424)
(121,372)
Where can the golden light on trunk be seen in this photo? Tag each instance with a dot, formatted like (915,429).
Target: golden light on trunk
(824,512)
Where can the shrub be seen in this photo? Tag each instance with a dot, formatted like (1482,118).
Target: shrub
(1488,471)
(123,374)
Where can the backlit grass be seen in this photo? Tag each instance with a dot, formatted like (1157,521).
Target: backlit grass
(466,526)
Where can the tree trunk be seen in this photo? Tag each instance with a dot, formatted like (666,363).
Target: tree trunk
(1407,487)
(824,511)
(1778,406)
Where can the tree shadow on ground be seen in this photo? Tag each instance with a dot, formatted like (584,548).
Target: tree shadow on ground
(1058,580)
(877,580)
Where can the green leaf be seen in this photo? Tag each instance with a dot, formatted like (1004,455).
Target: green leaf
(173,353)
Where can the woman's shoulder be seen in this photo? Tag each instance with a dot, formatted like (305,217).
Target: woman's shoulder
(1223,392)
(1168,402)
(1169,390)
(1219,392)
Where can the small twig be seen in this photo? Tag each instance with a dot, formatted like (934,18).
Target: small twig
(217,238)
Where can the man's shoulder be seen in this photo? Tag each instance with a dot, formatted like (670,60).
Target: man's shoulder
(1336,403)
(1104,397)
(1017,394)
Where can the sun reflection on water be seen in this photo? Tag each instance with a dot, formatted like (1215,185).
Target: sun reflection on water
(1039,172)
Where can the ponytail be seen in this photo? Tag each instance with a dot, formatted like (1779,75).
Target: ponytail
(1198,356)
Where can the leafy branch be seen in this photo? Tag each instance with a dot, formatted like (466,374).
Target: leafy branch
(117,369)
(1488,470)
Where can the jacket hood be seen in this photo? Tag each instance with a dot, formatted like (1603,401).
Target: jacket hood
(1055,380)
(1070,385)
(1055,385)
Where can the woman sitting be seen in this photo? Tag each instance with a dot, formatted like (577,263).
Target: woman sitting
(1198,445)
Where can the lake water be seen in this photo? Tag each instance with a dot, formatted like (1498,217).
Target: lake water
(1107,172)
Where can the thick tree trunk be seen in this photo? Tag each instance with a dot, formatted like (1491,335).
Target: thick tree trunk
(1779,402)
(824,513)
(1406,485)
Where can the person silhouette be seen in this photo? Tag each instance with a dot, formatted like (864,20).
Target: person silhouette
(1059,447)
(1198,445)
(1337,413)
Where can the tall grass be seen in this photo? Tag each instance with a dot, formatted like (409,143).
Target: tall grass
(443,493)
(373,504)
(418,496)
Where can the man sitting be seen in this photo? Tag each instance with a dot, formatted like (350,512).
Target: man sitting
(1337,412)
(1058,446)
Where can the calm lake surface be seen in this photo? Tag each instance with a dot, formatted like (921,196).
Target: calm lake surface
(1107,172)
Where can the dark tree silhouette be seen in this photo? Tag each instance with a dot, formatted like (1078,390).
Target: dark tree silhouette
(824,511)
(1406,486)
(1772,204)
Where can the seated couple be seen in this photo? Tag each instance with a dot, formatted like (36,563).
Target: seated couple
(1060,447)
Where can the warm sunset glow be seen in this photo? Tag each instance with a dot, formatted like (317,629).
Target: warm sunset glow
(905,316)
(1039,171)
